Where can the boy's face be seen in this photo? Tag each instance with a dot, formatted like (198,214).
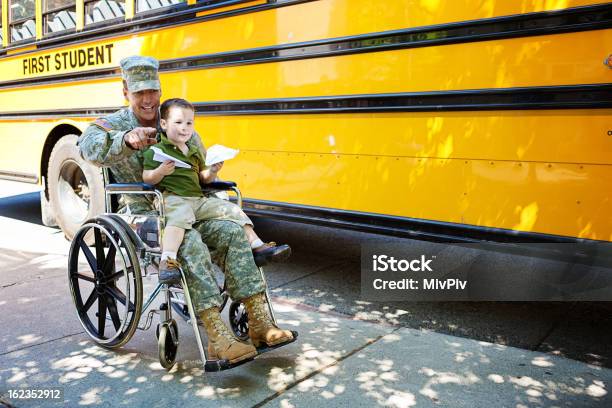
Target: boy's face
(178,125)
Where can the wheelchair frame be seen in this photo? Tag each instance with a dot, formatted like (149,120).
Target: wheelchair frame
(121,235)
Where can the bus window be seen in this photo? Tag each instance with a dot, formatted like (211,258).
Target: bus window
(22,25)
(1,37)
(146,5)
(103,10)
(59,15)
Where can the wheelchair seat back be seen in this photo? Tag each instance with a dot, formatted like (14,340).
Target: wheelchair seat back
(147,227)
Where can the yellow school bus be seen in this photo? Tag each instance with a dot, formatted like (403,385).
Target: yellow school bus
(435,119)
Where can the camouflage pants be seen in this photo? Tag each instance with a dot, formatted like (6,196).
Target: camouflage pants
(225,244)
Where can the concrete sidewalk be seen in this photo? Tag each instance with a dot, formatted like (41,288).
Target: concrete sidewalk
(337,361)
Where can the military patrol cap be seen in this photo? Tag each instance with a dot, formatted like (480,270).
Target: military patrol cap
(140,73)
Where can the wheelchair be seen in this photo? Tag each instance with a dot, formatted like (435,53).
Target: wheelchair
(109,256)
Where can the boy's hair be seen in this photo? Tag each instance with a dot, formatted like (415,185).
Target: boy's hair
(171,103)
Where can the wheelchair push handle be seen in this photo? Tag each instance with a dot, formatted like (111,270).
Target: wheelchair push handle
(223,186)
(219,185)
(122,187)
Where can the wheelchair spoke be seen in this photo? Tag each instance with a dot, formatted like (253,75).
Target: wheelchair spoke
(118,295)
(91,260)
(112,309)
(115,276)
(101,315)
(90,300)
(110,260)
(119,274)
(99,246)
(85,277)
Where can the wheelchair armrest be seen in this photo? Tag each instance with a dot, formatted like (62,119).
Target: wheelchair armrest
(218,185)
(118,187)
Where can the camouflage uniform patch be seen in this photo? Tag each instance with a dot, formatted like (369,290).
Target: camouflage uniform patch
(103,124)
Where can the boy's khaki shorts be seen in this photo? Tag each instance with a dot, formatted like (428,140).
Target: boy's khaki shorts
(183,212)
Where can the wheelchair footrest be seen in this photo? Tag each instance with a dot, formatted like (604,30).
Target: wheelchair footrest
(265,349)
(220,365)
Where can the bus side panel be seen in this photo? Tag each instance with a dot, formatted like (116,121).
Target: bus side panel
(548,136)
(511,170)
(31,102)
(22,144)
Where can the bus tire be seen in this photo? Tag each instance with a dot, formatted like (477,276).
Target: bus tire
(46,212)
(76,187)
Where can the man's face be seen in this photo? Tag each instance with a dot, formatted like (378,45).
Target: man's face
(144,104)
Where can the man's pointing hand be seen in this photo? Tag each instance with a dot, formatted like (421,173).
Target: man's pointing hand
(140,137)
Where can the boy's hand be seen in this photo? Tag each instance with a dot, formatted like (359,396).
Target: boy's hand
(216,167)
(140,137)
(166,168)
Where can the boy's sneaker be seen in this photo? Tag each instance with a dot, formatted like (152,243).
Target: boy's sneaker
(169,272)
(270,252)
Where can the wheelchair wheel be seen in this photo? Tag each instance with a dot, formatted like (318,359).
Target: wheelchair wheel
(239,320)
(167,343)
(105,282)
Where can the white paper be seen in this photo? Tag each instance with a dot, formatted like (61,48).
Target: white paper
(218,153)
(161,157)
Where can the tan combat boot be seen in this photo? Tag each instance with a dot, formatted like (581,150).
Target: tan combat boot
(261,327)
(222,345)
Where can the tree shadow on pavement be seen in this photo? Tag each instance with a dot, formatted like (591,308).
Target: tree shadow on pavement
(336,362)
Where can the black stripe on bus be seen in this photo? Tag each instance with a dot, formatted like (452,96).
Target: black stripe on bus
(591,96)
(554,97)
(540,23)
(428,230)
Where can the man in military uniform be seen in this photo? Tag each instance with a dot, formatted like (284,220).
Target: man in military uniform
(116,141)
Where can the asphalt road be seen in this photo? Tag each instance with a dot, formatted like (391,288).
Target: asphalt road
(323,278)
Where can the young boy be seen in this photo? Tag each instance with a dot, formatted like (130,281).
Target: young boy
(183,198)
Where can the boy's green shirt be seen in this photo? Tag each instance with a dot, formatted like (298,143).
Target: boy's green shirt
(183,182)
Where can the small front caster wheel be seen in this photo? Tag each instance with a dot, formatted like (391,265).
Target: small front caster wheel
(167,343)
(239,320)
